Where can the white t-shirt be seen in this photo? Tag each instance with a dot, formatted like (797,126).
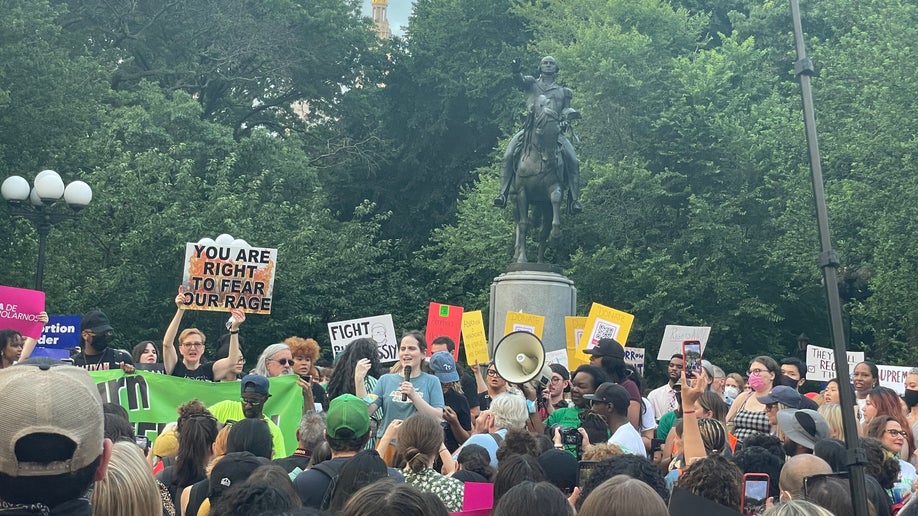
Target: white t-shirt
(629,439)
(649,419)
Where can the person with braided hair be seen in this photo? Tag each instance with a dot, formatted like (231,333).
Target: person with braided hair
(420,440)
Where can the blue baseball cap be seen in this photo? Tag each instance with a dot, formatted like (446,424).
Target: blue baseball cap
(442,364)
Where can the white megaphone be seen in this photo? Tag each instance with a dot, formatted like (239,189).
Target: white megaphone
(519,357)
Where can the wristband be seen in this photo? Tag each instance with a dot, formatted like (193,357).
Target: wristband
(531,406)
(559,446)
(684,412)
(233,332)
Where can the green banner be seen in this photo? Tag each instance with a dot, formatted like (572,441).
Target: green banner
(151,399)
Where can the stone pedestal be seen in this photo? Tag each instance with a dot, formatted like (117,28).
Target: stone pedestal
(533,289)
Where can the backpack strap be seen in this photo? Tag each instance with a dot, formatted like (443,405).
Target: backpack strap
(497,438)
(331,471)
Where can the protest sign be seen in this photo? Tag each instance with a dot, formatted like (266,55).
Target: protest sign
(820,363)
(19,309)
(519,321)
(573,330)
(444,321)
(673,336)
(893,377)
(558,356)
(473,338)
(223,277)
(605,322)
(61,332)
(634,357)
(151,399)
(378,327)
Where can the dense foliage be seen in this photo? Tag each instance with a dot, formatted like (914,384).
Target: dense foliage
(370,165)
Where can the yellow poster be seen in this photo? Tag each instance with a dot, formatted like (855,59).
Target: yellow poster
(606,323)
(474,338)
(519,321)
(573,329)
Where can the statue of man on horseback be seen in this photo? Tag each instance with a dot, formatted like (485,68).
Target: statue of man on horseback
(558,99)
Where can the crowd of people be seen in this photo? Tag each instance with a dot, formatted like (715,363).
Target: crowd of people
(428,436)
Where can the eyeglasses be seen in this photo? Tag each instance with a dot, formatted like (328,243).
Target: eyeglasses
(492,372)
(192,344)
(770,406)
(252,402)
(556,380)
(894,432)
(282,361)
(756,371)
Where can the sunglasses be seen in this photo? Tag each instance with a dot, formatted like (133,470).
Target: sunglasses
(254,403)
(282,361)
(770,406)
(593,403)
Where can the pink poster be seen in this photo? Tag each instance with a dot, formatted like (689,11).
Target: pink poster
(19,309)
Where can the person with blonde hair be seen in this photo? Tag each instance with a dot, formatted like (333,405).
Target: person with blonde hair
(831,412)
(128,486)
(191,341)
(797,508)
(622,495)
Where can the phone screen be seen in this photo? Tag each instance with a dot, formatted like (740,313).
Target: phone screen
(691,358)
(143,442)
(584,471)
(755,492)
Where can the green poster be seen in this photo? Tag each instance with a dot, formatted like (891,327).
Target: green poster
(151,399)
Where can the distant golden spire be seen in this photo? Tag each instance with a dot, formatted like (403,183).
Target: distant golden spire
(379,18)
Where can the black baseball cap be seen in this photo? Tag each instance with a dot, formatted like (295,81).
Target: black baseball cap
(607,348)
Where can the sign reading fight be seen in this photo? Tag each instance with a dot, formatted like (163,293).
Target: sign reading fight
(820,363)
(221,278)
(379,328)
(19,309)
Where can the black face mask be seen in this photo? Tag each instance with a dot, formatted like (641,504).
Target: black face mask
(100,341)
(911,398)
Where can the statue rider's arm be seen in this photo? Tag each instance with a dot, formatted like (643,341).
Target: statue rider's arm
(523,82)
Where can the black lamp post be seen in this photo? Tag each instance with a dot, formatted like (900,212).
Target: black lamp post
(38,204)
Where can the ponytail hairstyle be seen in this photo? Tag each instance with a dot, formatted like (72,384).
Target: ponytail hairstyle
(197,431)
(419,441)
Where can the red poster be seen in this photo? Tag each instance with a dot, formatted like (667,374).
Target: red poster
(444,320)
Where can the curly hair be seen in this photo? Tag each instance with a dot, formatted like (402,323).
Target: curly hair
(419,439)
(475,458)
(634,466)
(603,451)
(518,442)
(301,347)
(769,442)
(715,478)
(756,459)
(341,380)
(881,464)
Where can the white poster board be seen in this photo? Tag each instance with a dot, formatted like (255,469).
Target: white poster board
(378,327)
(673,336)
(820,363)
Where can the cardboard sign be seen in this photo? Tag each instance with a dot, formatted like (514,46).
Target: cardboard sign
(605,322)
(444,321)
(673,336)
(220,278)
(573,330)
(634,357)
(893,377)
(61,332)
(19,309)
(379,328)
(519,321)
(820,363)
(473,338)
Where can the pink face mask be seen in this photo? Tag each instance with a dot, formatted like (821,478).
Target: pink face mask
(756,382)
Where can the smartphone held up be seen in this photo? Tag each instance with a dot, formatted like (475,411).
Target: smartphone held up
(691,358)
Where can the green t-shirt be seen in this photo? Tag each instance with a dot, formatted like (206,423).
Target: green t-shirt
(666,424)
(567,418)
(232,410)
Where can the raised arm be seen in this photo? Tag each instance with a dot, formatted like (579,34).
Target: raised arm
(222,366)
(170,356)
(360,375)
(692,443)
(28,343)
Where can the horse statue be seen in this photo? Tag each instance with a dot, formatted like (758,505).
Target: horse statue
(537,181)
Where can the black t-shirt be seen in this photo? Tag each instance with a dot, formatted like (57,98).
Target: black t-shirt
(204,372)
(152,368)
(319,396)
(470,389)
(110,358)
(460,406)
(299,459)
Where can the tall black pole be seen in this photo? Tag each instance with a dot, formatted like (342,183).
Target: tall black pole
(44,226)
(828,262)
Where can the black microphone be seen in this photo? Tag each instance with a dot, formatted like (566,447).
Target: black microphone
(407,379)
